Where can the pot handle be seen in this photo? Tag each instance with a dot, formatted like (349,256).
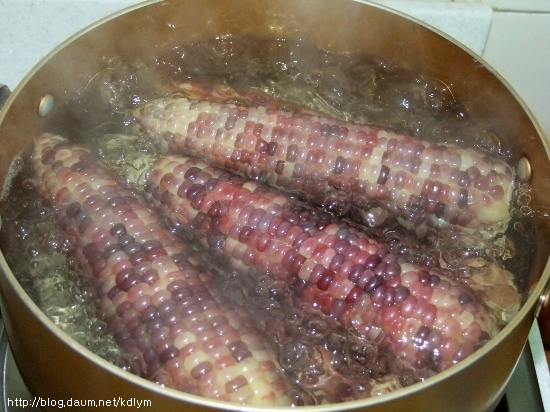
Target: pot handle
(4,94)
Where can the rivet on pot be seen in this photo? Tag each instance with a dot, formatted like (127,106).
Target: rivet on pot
(46,105)
(524,169)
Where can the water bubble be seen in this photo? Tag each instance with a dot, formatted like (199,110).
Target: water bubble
(67,244)
(298,358)
(317,328)
(53,243)
(525,211)
(33,251)
(519,227)
(359,357)
(523,199)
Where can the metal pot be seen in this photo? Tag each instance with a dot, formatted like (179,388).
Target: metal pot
(56,367)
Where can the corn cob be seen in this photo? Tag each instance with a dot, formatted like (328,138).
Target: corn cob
(158,300)
(427,320)
(344,167)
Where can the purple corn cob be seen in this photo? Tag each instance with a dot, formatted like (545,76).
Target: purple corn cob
(428,321)
(335,164)
(161,304)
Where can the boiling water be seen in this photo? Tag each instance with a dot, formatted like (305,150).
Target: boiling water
(351,87)
(36,250)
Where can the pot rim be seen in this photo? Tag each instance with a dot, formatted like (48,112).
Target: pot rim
(527,309)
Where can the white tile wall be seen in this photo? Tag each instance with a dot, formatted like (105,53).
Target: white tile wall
(517,5)
(518,46)
(31,28)
(467,23)
(513,36)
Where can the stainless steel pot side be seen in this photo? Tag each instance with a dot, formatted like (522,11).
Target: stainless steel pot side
(56,367)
